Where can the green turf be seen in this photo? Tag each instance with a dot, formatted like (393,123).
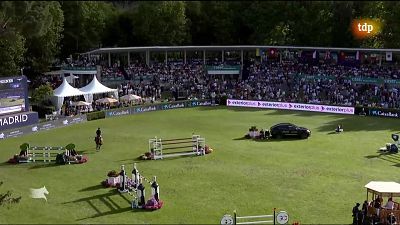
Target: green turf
(316,180)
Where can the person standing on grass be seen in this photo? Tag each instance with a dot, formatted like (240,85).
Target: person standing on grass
(356,211)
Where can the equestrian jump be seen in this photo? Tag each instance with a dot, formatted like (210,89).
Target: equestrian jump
(194,145)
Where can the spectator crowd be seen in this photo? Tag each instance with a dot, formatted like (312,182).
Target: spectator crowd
(269,81)
(287,81)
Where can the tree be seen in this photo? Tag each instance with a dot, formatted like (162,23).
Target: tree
(84,26)
(42,94)
(42,49)
(11,53)
(391,24)
(160,23)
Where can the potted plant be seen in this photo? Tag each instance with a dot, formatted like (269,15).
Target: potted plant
(113,178)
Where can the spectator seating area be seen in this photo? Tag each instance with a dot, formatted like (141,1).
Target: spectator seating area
(288,81)
(270,81)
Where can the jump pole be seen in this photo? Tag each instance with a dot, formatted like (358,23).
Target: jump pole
(283,218)
(156,146)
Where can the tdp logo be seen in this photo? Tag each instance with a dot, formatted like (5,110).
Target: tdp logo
(365,27)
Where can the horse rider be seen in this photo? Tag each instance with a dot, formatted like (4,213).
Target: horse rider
(98,132)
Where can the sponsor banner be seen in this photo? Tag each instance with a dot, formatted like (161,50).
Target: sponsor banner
(42,126)
(223,69)
(392,113)
(18,120)
(118,112)
(291,106)
(174,106)
(199,103)
(145,109)
(314,77)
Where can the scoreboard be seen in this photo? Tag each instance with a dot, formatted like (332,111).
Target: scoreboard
(13,95)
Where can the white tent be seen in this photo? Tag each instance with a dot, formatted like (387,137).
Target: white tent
(65,90)
(384,189)
(71,78)
(130,97)
(95,87)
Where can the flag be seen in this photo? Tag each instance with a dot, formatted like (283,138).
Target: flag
(272,53)
(328,55)
(358,55)
(314,55)
(342,56)
(389,56)
(299,53)
(257,52)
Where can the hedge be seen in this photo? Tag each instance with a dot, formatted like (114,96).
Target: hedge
(96,115)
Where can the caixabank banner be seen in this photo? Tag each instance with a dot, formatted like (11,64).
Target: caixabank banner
(156,107)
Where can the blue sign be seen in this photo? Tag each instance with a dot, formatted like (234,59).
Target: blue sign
(118,112)
(18,120)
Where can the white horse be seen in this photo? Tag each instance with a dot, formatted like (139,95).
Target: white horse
(39,193)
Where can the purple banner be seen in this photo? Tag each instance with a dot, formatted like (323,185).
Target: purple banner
(42,126)
(18,120)
(291,106)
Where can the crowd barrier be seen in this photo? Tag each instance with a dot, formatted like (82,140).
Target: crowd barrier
(108,113)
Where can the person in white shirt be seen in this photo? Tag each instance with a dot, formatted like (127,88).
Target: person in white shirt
(389,204)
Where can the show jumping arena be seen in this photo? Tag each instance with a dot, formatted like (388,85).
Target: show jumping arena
(313,181)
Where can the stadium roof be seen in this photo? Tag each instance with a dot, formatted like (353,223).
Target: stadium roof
(226,47)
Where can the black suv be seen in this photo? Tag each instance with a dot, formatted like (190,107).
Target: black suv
(287,129)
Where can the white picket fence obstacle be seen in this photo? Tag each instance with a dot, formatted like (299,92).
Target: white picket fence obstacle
(44,154)
(196,143)
(281,218)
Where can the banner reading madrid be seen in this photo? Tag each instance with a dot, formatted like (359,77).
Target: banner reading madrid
(291,106)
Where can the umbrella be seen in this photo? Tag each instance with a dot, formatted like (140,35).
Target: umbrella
(81,103)
(130,97)
(106,100)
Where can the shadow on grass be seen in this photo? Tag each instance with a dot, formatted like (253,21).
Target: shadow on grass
(224,107)
(138,160)
(114,208)
(45,165)
(86,152)
(270,139)
(386,156)
(349,122)
(7,164)
(92,188)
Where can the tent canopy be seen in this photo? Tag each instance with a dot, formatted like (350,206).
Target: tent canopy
(95,87)
(130,97)
(66,90)
(106,100)
(80,103)
(385,189)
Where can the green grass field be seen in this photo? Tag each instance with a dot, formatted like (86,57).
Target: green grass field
(316,180)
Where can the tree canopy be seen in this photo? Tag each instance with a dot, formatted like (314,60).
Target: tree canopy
(35,33)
